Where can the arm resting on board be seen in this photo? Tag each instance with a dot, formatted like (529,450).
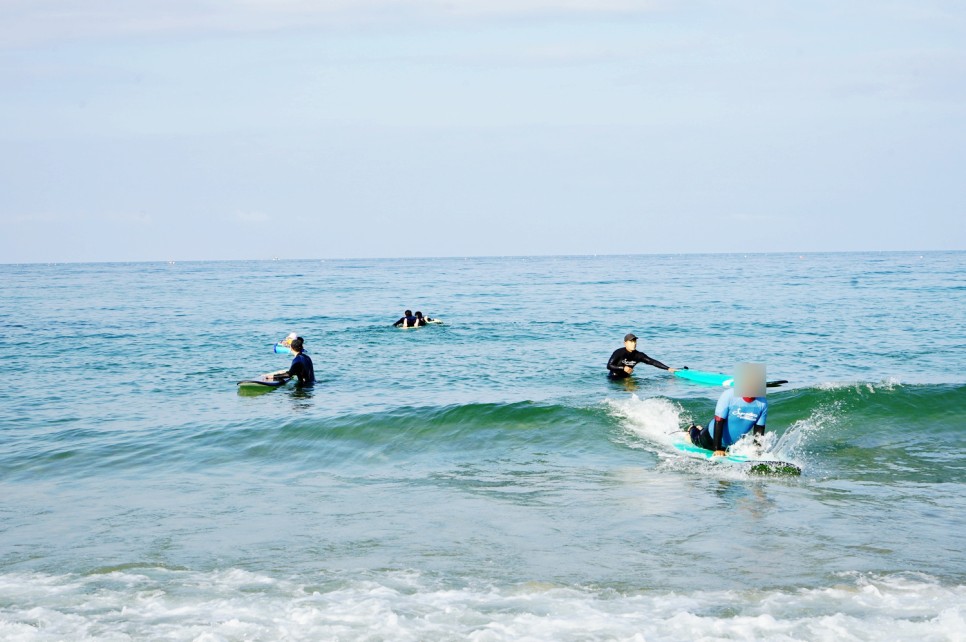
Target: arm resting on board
(719,426)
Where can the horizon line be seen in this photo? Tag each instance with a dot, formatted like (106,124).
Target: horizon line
(472,256)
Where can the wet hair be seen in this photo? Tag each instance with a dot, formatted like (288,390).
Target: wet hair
(297,343)
(409,313)
(419,315)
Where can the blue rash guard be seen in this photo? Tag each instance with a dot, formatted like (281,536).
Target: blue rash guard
(302,368)
(740,416)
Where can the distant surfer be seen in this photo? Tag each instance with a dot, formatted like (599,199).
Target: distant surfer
(410,320)
(622,362)
(407,320)
(740,410)
(301,367)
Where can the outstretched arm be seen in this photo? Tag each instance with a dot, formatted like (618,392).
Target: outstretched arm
(640,357)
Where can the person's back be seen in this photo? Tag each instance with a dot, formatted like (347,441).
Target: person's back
(302,366)
(407,320)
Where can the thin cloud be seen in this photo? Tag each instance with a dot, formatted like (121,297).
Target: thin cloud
(33,22)
(46,218)
(251,217)
(937,75)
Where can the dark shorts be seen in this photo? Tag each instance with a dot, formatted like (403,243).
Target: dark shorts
(701,437)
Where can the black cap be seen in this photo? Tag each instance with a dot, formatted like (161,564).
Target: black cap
(630,337)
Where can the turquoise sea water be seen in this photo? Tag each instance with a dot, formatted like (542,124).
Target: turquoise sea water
(482,479)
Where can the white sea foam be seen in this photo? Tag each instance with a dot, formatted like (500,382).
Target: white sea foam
(237,605)
(655,419)
(885,385)
(793,442)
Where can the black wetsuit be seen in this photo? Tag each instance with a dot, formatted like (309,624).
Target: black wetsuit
(303,369)
(624,357)
(409,321)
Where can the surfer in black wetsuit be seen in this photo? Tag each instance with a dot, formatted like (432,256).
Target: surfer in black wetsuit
(407,320)
(622,362)
(301,365)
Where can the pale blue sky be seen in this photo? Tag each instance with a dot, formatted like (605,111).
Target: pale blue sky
(236,129)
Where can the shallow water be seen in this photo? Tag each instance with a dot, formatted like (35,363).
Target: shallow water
(482,479)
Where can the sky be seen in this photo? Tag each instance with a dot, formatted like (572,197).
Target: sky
(180,130)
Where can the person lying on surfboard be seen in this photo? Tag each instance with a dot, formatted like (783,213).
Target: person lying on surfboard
(407,320)
(421,320)
(301,367)
(410,320)
(621,363)
(740,410)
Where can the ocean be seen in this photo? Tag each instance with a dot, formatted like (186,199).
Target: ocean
(482,479)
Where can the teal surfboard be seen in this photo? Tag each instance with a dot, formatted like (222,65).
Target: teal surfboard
(717,379)
(707,378)
(754,466)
